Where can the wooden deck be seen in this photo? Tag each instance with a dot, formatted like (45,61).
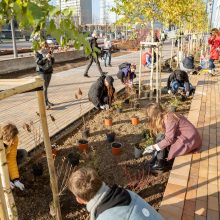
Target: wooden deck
(23,108)
(192,192)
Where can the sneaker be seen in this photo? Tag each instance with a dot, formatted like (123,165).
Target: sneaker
(86,75)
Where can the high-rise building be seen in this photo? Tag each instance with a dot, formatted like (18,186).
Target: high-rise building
(106,15)
(83,10)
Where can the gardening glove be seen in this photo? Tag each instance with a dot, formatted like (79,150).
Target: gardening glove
(106,107)
(19,185)
(148,150)
(12,185)
(187,94)
(169,91)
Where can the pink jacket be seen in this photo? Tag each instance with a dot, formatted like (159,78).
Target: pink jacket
(215,43)
(181,136)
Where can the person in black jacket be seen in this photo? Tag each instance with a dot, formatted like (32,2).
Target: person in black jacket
(177,79)
(101,92)
(93,44)
(45,60)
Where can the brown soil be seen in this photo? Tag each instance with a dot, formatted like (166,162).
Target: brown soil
(58,67)
(123,170)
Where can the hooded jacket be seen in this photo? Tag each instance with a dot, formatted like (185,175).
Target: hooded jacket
(178,75)
(120,204)
(98,93)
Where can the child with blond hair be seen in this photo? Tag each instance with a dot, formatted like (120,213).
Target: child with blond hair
(14,156)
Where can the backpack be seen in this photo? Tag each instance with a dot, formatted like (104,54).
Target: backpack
(124,65)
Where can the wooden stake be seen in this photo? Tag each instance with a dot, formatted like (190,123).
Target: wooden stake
(157,75)
(178,50)
(3,206)
(5,180)
(50,161)
(151,75)
(171,55)
(160,57)
(140,68)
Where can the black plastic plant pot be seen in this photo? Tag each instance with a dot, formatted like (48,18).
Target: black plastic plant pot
(110,137)
(173,108)
(119,110)
(137,151)
(74,159)
(126,101)
(85,133)
(147,94)
(136,105)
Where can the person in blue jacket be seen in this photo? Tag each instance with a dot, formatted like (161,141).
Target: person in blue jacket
(108,203)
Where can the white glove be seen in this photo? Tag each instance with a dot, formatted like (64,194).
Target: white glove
(148,150)
(106,107)
(19,185)
(12,185)
(187,94)
(169,91)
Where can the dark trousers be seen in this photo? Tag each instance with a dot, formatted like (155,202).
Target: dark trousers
(107,57)
(46,78)
(96,60)
(21,156)
(211,64)
(162,154)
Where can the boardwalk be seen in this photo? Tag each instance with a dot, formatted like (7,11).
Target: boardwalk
(192,192)
(23,108)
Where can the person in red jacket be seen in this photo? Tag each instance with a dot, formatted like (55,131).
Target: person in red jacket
(214,41)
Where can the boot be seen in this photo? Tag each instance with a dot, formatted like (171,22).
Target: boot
(159,166)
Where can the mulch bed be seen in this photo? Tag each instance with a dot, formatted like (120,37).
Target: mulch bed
(123,170)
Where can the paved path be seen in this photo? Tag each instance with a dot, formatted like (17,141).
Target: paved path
(192,192)
(23,108)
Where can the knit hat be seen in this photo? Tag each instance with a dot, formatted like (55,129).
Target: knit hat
(109,79)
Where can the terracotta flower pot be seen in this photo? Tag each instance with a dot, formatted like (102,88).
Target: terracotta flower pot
(135,120)
(108,121)
(116,148)
(83,145)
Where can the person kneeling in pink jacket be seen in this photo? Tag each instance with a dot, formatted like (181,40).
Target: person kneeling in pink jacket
(175,136)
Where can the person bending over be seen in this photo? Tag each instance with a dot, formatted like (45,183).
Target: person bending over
(108,203)
(175,136)
(101,93)
(179,79)
(127,74)
(14,156)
